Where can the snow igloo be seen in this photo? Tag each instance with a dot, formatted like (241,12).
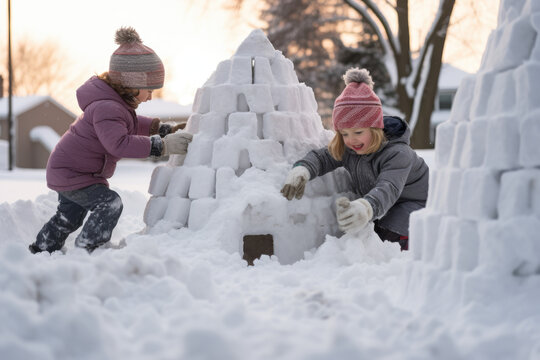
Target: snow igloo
(482,217)
(251,121)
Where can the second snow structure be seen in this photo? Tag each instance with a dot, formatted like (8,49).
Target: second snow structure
(251,120)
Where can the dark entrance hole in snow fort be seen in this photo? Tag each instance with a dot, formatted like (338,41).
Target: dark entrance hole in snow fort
(257,245)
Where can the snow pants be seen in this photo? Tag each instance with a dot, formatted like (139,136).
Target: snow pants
(105,207)
(391,236)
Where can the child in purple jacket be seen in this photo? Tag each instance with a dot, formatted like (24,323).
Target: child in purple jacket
(108,130)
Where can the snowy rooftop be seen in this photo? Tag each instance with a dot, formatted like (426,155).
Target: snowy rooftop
(21,104)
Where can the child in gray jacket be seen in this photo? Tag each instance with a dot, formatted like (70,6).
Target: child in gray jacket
(390,179)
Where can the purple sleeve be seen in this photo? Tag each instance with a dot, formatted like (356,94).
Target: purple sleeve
(144,125)
(112,131)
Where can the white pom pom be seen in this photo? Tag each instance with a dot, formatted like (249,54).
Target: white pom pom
(359,76)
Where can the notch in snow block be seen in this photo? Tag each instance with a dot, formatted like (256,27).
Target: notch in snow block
(257,245)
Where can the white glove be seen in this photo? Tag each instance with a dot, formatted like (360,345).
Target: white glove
(176,143)
(353,214)
(295,182)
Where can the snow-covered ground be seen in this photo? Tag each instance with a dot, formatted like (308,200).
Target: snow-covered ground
(179,296)
(468,289)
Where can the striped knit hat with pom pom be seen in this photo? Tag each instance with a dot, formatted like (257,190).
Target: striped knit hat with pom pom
(357,106)
(133,64)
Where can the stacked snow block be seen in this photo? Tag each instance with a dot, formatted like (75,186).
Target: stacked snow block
(252,116)
(483,211)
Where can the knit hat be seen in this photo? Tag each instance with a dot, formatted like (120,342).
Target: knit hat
(133,64)
(357,106)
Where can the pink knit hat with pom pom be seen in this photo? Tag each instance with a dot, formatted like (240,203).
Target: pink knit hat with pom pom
(358,106)
(133,64)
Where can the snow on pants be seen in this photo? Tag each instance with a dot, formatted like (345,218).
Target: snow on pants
(105,207)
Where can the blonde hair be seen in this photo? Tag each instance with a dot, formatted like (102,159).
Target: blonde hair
(129,95)
(337,145)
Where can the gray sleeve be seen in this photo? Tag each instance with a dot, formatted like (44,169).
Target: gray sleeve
(395,167)
(319,162)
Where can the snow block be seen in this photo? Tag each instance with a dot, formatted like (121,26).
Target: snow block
(192,125)
(520,194)
(203,180)
(177,210)
(464,243)
(201,104)
(212,124)
(263,71)
(529,129)
(283,70)
(286,98)
(227,152)
(514,44)
(154,210)
(200,211)
(502,143)
(474,145)
(478,194)
(276,125)
(431,235)
(309,104)
(417,232)
(448,187)
(159,181)
(510,246)
(443,249)
(200,150)
(179,182)
(258,97)
(483,86)
(528,88)
(502,99)
(535,22)
(457,145)
(222,73)
(241,72)
(265,153)
(225,177)
(256,44)
(444,138)
(223,99)
(463,99)
(243,124)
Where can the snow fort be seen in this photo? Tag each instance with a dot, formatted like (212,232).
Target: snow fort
(251,120)
(483,214)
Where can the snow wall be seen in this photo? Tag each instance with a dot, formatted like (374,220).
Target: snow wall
(251,121)
(482,221)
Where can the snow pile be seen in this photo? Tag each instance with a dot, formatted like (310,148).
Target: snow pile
(468,289)
(478,237)
(252,119)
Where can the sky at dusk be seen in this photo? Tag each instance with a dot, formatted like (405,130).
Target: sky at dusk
(191,37)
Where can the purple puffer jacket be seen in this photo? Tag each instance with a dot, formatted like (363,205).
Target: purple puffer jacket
(107,131)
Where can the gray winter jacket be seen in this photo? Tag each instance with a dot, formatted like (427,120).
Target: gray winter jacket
(394,179)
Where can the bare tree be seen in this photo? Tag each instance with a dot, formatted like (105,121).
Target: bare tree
(40,68)
(323,41)
(415,79)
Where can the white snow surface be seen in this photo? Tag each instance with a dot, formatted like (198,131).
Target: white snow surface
(468,289)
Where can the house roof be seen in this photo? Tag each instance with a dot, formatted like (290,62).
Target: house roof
(450,77)
(21,104)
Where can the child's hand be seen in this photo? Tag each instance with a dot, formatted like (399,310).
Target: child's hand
(176,143)
(352,214)
(295,183)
